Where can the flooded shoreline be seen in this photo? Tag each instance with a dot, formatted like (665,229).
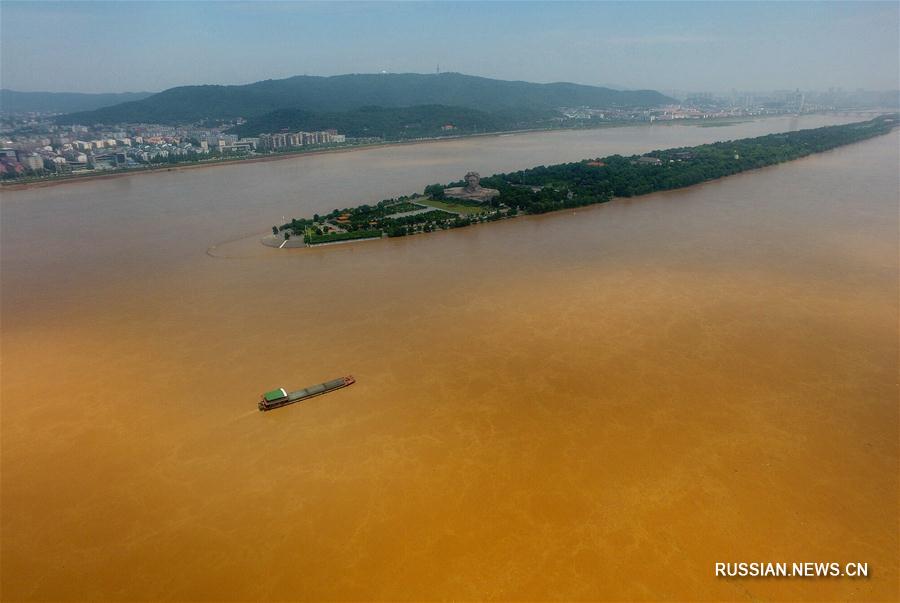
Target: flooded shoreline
(589,406)
(301,153)
(288,155)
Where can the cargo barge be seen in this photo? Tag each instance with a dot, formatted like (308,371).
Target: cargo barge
(280,397)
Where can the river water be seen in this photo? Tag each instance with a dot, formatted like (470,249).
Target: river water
(589,405)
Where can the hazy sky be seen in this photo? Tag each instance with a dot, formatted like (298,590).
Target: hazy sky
(114,47)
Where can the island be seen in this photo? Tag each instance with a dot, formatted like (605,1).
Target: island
(542,189)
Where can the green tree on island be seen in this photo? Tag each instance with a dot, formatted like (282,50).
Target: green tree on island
(435,191)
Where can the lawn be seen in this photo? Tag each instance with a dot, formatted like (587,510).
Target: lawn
(466,210)
(399,208)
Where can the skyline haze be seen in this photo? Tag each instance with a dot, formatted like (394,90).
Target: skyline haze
(139,46)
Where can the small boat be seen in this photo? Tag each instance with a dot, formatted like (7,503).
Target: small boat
(280,397)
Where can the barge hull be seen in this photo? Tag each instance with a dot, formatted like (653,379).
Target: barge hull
(304,394)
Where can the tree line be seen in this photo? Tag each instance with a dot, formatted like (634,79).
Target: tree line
(568,185)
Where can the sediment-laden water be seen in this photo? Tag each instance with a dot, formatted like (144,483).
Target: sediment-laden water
(593,405)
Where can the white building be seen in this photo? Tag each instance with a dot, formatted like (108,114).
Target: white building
(33,162)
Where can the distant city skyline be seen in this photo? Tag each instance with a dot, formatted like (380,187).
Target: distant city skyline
(138,46)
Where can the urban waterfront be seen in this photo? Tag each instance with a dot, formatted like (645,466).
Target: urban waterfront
(542,406)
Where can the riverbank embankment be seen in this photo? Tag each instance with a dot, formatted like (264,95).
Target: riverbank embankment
(113,174)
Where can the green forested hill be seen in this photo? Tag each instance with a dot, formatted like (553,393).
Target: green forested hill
(348,92)
(393,123)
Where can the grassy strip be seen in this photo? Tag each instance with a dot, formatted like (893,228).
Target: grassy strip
(433,215)
(466,210)
(342,236)
(399,208)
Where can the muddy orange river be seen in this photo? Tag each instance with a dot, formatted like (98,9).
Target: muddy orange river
(588,405)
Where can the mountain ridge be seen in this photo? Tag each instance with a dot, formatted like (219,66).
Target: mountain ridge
(396,123)
(185,104)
